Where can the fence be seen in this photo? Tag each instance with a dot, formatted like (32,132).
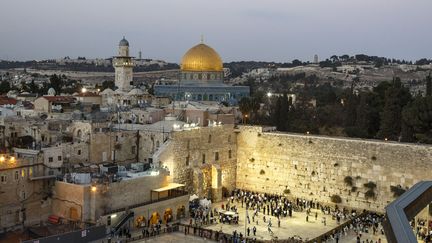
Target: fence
(85,235)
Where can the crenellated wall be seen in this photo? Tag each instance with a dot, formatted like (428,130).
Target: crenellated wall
(315,167)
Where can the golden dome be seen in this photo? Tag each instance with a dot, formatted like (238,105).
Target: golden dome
(201,58)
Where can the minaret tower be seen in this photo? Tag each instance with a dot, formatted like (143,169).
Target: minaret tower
(123,67)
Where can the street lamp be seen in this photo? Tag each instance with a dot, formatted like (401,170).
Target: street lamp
(269,94)
(83,90)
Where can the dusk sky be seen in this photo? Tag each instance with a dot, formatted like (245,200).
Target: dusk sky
(279,30)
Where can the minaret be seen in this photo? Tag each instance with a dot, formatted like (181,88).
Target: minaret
(123,67)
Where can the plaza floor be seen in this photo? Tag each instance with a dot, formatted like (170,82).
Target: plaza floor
(177,238)
(290,226)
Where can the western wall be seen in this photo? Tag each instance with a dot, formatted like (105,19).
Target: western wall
(319,167)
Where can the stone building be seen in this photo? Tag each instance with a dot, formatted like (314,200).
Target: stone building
(24,191)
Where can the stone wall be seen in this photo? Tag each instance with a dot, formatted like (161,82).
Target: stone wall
(315,167)
(184,158)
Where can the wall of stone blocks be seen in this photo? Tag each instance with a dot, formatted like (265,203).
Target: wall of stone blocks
(193,144)
(315,167)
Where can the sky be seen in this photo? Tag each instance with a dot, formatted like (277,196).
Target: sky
(239,30)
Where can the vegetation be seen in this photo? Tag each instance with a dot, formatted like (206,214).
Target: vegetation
(348,181)
(336,199)
(370,185)
(262,172)
(397,190)
(370,194)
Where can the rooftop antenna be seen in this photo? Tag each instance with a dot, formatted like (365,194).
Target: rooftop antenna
(202,39)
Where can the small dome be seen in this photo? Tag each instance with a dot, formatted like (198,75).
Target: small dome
(107,91)
(124,42)
(136,92)
(51,92)
(201,58)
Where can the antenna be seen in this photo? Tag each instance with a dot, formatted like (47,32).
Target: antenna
(202,38)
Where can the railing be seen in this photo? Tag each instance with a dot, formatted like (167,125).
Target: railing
(178,194)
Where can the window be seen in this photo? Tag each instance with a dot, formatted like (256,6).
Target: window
(3,178)
(23,195)
(209,140)
(133,149)
(79,151)
(203,158)
(16,175)
(116,138)
(59,158)
(50,159)
(229,154)
(187,160)
(216,156)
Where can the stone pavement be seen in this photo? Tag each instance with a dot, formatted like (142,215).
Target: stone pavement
(176,237)
(294,226)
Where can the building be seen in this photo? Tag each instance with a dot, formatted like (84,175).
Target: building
(52,104)
(202,79)
(123,67)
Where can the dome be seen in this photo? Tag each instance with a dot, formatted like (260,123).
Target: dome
(201,58)
(136,92)
(107,91)
(124,42)
(51,92)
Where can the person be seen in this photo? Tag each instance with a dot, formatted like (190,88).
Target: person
(248,231)
(264,219)
(254,231)
(279,222)
(316,216)
(307,218)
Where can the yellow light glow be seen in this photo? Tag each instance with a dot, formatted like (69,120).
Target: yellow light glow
(2,159)
(83,90)
(12,159)
(93,189)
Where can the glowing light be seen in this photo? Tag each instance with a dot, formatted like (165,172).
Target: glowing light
(385,139)
(12,159)
(154,173)
(83,90)
(113,215)
(2,159)
(93,189)
(269,94)
(307,132)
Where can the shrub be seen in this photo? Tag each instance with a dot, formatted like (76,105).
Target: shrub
(313,173)
(370,185)
(374,157)
(348,180)
(370,194)
(336,164)
(397,190)
(336,199)
(262,172)
(287,191)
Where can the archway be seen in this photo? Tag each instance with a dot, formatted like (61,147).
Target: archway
(168,215)
(181,212)
(154,218)
(140,221)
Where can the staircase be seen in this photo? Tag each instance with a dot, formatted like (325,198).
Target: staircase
(159,151)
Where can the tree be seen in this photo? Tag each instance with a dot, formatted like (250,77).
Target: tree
(108,84)
(245,107)
(417,117)
(56,83)
(4,87)
(429,85)
(396,97)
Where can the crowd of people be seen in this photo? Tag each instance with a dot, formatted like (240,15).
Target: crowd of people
(260,208)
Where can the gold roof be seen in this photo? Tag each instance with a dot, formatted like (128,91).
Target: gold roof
(201,58)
